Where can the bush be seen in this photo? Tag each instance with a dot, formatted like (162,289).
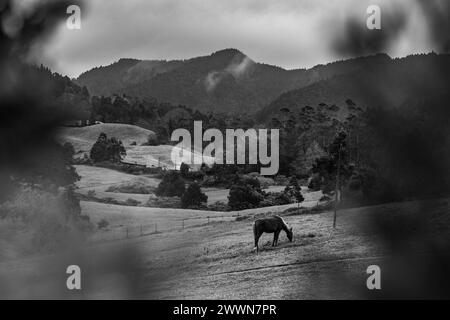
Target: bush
(196,175)
(106,149)
(172,185)
(102,224)
(152,140)
(315,183)
(275,199)
(244,196)
(184,170)
(164,202)
(132,202)
(218,206)
(193,196)
(293,191)
(136,186)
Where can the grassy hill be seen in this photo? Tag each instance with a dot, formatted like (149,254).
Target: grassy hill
(83,138)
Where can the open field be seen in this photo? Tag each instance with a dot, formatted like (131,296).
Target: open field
(216,261)
(161,156)
(100,179)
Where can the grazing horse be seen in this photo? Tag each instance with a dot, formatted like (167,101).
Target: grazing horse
(271,225)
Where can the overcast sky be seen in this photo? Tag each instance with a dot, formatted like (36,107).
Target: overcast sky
(287,33)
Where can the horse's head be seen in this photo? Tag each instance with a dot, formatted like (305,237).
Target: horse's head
(290,234)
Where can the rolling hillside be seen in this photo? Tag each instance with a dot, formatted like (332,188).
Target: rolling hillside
(83,138)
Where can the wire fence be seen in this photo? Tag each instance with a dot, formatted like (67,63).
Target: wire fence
(137,231)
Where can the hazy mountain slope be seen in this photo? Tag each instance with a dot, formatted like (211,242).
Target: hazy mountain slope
(388,83)
(226,81)
(111,79)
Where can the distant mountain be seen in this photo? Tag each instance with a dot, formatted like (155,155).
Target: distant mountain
(391,83)
(227,81)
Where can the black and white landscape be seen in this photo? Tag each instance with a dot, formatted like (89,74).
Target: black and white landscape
(88,178)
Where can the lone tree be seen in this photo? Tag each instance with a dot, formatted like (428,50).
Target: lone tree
(172,185)
(106,149)
(294,191)
(184,170)
(193,196)
(334,170)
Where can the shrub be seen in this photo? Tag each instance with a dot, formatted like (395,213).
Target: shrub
(106,149)
(172,185)
(152,140)
(218,206)
(315,183)
(132,202)
(184,170)
(293,191)
(244,196)
(102,224)
(164,202)
(196,175)
(193,196)
(136,186)
(275,199)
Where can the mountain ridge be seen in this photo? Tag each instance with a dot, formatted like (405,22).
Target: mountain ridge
(227,81)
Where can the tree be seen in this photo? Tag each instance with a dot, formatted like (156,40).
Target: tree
(184,170)
(294,191)
(172,185)
(193,196)
(106,149)
(116,151)
(99,151)
(334,170)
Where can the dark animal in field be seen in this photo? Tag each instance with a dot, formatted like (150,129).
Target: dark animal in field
(271,225)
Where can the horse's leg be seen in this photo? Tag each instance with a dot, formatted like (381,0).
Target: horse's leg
(257,236)
(275,237)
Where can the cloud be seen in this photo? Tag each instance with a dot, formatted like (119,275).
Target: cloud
(237,68)
(288,33)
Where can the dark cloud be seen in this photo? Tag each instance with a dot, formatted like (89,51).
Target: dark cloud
(357,40)
(437,13)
